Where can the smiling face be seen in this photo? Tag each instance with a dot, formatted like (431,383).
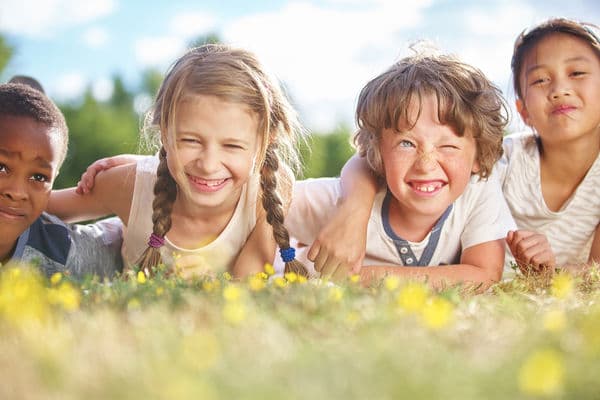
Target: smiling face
(29,160)
(427,166)
(560,83)
(216,146)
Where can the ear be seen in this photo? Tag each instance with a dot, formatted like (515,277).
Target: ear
(475,168)
(522,111)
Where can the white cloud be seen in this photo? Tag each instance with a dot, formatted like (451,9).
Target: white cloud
(102,89)
(95,37)
(68,86)
(43,17)
(326,54)
(192,24)
(158,51)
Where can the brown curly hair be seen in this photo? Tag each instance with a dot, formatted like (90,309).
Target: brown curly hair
(467,101)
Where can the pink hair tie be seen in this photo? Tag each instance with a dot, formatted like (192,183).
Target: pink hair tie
(156,241)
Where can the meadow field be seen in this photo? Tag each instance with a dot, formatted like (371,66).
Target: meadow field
(288,338)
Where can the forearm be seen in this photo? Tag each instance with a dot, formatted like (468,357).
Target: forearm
(72,207)
(438,276)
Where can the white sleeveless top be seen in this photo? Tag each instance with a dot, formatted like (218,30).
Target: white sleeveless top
(571,229)
(215,257)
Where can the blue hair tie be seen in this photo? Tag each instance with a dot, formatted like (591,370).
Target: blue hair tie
(288,254)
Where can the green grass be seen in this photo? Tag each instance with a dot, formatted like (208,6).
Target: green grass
(213,338)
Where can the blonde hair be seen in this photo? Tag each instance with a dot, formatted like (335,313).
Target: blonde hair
(232,75)
(529,38)
(467,101)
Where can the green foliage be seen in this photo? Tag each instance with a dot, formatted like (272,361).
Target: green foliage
(326,153)
(6,52)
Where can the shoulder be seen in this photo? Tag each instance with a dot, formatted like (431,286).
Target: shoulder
(519,141)
(50,237)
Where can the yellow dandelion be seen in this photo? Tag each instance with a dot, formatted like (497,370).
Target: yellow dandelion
(280,282)
(256,283)
(210,285)
(412,297)
(555,320)
(336,294)
(133,304)
(437,313)
(302,279)
(23,296)
(65,296)
(141,277)
(269,270)
(291,277)
(562,285)
(232,293)
(355,278)
(234,312)
(542,373)
(160,290)
(55,278)
(227,276)
(391,283)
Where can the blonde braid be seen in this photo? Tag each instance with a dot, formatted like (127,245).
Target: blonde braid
(165,192)
(273,206)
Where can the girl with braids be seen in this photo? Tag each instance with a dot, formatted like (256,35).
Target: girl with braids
(210,200)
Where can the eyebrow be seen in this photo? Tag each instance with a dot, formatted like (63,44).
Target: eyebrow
(42,163)
(568,60)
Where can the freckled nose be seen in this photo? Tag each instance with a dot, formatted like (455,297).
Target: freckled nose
(426,161)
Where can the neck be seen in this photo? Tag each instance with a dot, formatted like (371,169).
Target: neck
(410,226)
(570,160)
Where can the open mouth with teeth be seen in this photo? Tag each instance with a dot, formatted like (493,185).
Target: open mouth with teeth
(427,188)
(207,185)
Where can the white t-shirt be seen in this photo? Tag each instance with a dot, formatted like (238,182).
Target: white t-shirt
(479,215)
(214,257)
(571,229)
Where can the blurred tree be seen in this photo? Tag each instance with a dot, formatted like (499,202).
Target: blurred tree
(326,153)
(212,38)
(6,52)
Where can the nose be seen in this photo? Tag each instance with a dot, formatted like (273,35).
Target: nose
(426,160)
(209,160)
(14,191)
(560,88)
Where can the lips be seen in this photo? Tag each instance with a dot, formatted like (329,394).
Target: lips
(427,188)
(563,109)
(207,185)
(12,213)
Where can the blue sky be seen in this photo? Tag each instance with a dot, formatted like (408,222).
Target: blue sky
(324,51)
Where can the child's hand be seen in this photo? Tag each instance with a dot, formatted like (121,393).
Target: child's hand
(531,250)
(86,183)
(340,246)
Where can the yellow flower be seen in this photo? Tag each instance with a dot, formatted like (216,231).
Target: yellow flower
(279,281)
(355,278)
(226,276)
(55,278)
(302,279)
(66,296)
(256,283)
(23,296)
(210,285)
(391,283)
(269,270)
(437,313)
(160,290)
(234,312)
(542,373)
(141,277)
(291,277)
(412,297)
(336,293)
(562,285)
(555,320)
(133,304)
(232,293)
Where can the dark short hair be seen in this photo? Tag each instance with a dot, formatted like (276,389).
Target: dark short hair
(529,38)
(18,100)
(27,80)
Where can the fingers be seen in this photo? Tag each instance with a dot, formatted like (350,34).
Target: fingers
(314,250)
(531,250)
